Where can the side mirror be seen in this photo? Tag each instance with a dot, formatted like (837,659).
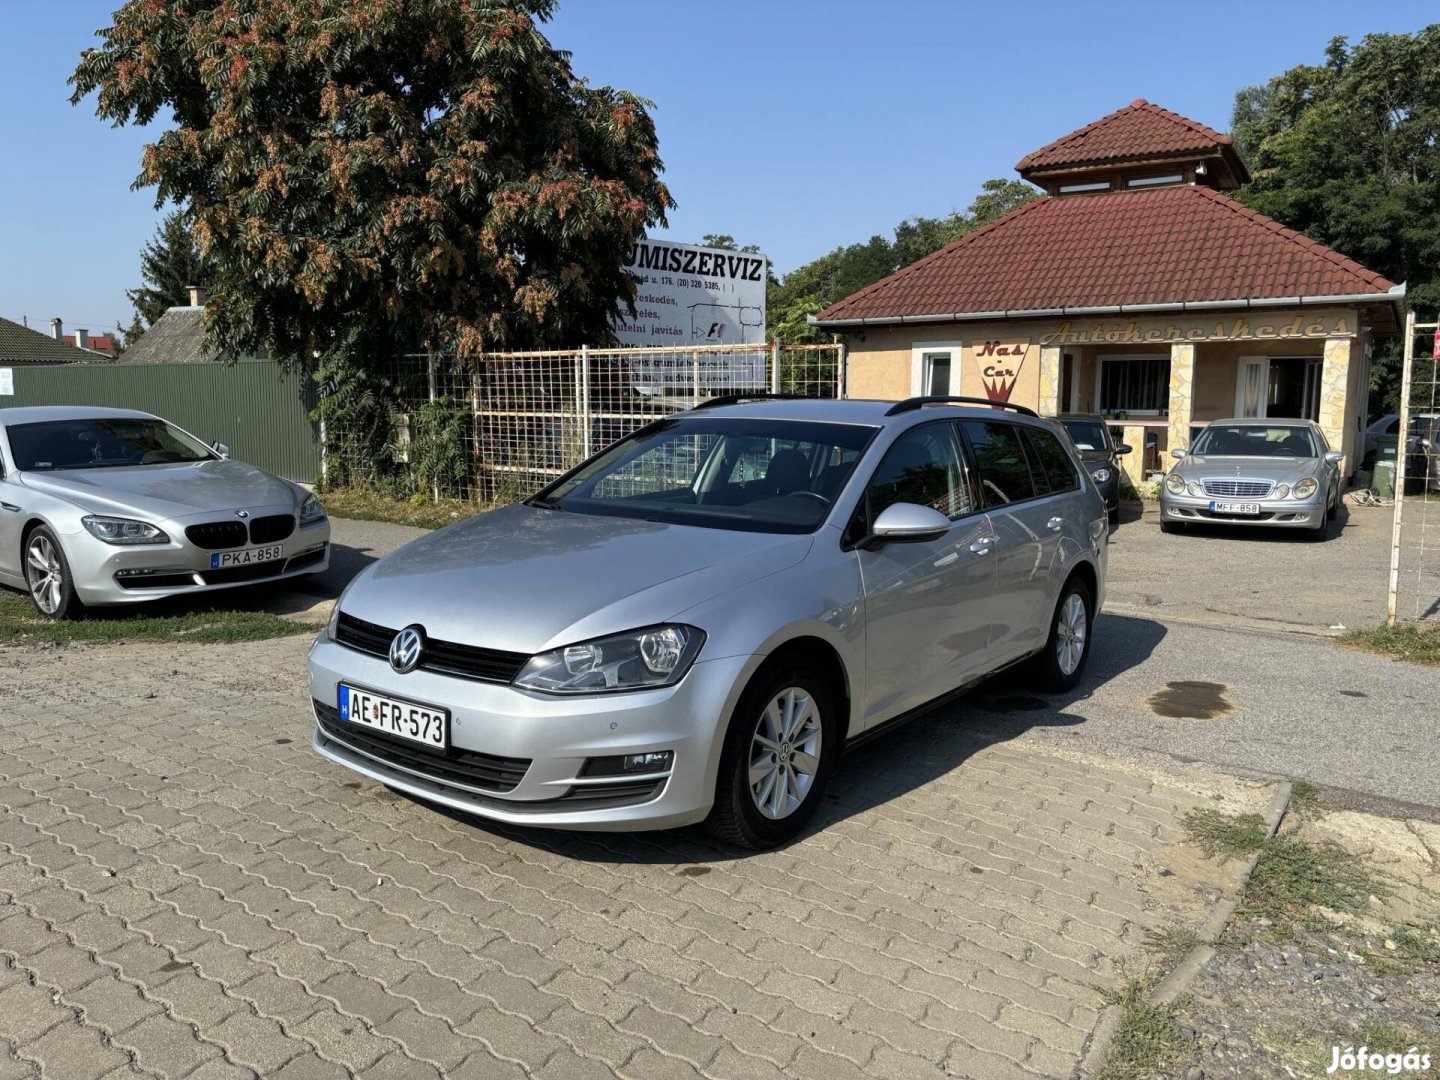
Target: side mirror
(221,449)
(1333,456)
(909,521)
(1122,449)
(1177,453)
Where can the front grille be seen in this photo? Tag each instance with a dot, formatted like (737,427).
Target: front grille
(463,768)
(441,657)
(271,530)
(213,535)
(1238,489)
(254,572)
(157,581)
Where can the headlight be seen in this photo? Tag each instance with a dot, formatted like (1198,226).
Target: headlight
(637,660)
(311,510)
(1101,475)
(1281,490)
(334,621)
(1195,489)
(124,531)
(1175,484)
(1303,489)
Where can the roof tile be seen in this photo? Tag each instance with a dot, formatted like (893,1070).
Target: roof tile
(1139,130)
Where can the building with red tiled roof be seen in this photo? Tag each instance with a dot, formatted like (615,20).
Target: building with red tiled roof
(1133,287)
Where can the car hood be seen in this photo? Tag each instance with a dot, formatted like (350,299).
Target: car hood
(525,579)
(165,491)
(1277,470)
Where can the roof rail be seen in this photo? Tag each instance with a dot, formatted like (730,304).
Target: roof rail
(910,404)
(735,399)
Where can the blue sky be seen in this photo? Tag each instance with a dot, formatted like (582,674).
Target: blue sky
(798,125)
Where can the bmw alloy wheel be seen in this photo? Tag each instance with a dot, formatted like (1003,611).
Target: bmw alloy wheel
(44,573)
(1070,634)
(785,753)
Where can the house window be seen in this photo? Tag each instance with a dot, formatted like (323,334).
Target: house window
(1072,189)
(1134,384)
(935,368)
(1154,181)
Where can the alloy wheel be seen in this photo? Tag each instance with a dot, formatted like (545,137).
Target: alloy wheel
(44,573)
(785,753)
(1070,633)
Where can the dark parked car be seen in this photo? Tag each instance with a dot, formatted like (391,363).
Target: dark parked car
(1091,436)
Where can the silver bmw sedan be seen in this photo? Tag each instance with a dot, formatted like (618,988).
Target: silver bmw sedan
(694,624)
(112,506)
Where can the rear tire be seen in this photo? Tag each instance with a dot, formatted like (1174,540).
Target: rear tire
(47,576)
(780,749)
(1060,665)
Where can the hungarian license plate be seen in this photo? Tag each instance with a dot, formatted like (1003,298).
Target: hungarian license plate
(219,560)
(1248,509)
(406,720)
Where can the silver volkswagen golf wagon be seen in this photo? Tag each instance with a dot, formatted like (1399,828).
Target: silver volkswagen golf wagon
(694,624)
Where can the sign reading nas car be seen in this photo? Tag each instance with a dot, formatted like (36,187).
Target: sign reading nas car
(692,295)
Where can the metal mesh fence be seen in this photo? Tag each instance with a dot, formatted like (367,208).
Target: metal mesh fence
(499,428)
(1415,540)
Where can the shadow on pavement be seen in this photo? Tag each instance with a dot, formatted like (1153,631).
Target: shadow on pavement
(924,749)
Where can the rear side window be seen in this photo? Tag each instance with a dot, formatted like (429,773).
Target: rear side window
(1000,463)
(1054,471)
(925,467)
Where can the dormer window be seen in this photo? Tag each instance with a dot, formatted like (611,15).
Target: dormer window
(1154,181)
(1076,189)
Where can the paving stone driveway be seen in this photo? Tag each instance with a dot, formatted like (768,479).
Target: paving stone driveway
(186,890)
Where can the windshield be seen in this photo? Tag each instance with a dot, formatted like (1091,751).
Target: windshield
(101,443)
(1256,440)
(718,472)
(1087,434)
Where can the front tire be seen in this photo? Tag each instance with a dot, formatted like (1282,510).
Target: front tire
(1171,527)
(47,574)
(1060,665)
(779,752)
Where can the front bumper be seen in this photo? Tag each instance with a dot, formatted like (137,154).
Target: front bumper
(1274,513)
(499,733)
(124,574)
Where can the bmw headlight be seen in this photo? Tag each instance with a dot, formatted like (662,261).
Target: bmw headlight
(311,511)
(115,530)
(637,660)
(1303,489)
(1175,484)
(1101,475)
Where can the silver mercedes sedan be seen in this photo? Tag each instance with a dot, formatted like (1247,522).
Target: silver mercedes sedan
(1278,474)
(112,506)
(695,623)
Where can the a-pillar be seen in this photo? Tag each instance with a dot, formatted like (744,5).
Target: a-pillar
(1182,392)
(1334,393)
(1049,401)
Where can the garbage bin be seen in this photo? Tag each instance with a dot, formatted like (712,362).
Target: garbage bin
(1385,478)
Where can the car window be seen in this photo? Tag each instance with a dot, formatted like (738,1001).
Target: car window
(1256,440)
(1054,472)
(102,442)
(924,466)
(718,472)
(1087,434)
(1000,463)
(1393,427)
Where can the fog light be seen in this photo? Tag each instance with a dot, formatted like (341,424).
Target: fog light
(657,762)
(653,762)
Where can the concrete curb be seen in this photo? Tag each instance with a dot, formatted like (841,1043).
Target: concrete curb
(1174,984)
(1219,621)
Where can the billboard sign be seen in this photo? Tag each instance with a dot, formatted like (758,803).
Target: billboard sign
(691,295)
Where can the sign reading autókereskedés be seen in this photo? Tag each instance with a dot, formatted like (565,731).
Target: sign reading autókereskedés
(691,295)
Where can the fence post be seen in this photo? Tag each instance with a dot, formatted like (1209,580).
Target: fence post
(842,368)
(583,389)
(430,379)
(695,376)
(1392,595)
(775,365)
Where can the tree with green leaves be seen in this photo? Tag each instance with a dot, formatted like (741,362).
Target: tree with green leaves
(367,177)
(1348,152)
(833,276)
(169,264)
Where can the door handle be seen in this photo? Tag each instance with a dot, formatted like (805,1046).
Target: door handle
(982,546)
(1055,524)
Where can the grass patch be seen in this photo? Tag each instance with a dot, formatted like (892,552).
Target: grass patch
(1417,944)
(1403,641)
(1305,800)
(1389,1039)
(1147,1040)
(1171,945)
(1222,836)
(1291,876)
(419,511)
(20,624)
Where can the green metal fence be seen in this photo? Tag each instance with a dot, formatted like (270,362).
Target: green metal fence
(253,407)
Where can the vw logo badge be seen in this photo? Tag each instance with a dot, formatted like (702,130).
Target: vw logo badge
(405,650)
